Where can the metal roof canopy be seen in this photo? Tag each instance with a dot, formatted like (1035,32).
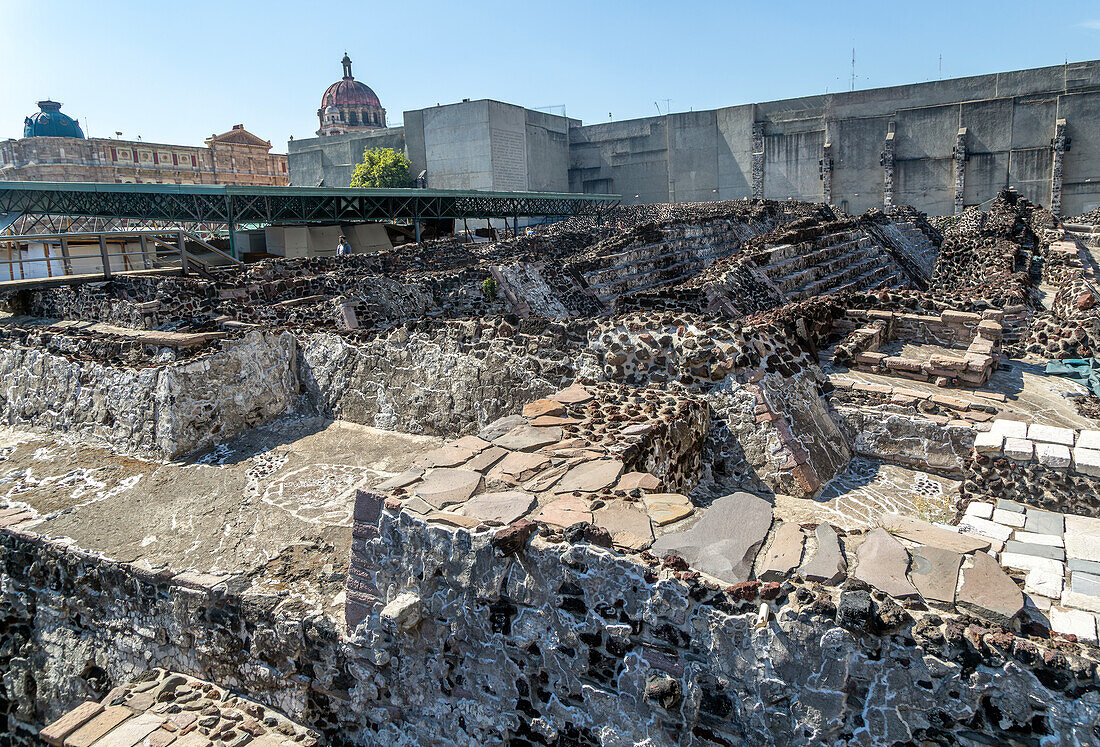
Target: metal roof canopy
(233,205)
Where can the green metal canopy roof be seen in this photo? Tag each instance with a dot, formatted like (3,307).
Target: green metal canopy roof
(285,205)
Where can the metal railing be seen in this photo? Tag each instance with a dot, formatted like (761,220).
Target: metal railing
(155,250)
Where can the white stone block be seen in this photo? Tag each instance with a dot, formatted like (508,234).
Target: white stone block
(979,509)
(1009,428)
(1008,518)
(1044,583)
(1087,461)
(1082,538)
(1054,456)
(1034,538)
(1019,449)
(985,528)
(1080,601)
(1022,562)
(1050,434)
(989,443)
(1073,622)
(1089,439)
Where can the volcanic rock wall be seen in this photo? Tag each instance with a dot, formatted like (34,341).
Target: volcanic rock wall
(161,410)
(470,642)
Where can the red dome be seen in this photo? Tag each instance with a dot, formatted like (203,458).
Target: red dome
(349,92)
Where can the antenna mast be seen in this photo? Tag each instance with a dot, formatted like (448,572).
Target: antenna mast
(853,84)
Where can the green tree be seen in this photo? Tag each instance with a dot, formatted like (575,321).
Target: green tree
(382,168)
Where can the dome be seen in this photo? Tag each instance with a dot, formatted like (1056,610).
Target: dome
(50,122)
(349,91)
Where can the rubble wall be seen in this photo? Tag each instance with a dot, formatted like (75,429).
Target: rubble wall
(163,410)
(445,380)
(560,643)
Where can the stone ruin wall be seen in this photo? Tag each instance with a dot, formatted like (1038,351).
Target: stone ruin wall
(161,410)
(474,641)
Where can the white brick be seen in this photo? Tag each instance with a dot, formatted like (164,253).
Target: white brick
(985,528)
(989,443)
(979,509)
(1009,428)
(1019,449)
(1055,456)
(1008,518)
(1022,562)
(1087,461)
(1034,538)
(1089,439)
(1044,583)
(1082,538)
(1050,434)
(1080,601)
(1073,622)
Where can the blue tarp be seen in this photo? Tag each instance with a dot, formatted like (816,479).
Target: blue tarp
(1085,371)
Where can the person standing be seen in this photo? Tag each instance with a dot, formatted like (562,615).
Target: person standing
(343,247)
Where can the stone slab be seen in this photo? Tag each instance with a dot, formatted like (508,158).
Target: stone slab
(726,538)
(1042,551)
(486,458)
(988,591)
(132,732)
(447,486)
(1044,583)
(1084,566)
(1087,461)
(1082,538)
(573,395)
(471,443)
(590,476)
(1073,622)
(827,564)
(883,562)
(404,479)
(519,466)
(92,731)
(1006,505)
(445,456)
(1088,438)
(56,731)
(1044,522)
(1034,538)
(627,523)
(1050,434)
(934,572)
(979,509)
(1009,428)
(985,528)
(1019,449)
(667,508)
(1053,456)
(922,532)
(542,407)
(784,554)
(528,438)
(502,508)
(1008,518)
(565,512)
(500,427)
(637,481)
(1023,562)
(989,442)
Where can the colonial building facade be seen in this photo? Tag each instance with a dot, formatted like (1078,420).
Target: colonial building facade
(53,149)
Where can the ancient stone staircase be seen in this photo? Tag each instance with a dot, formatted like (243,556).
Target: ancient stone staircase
(915,244)
(684,251)
(840,261)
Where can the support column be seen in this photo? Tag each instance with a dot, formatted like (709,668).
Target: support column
(887,161)
(825,171)
(1058,145)
(758,160)
(959,155)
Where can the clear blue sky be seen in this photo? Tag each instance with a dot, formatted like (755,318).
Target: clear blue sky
(178,71)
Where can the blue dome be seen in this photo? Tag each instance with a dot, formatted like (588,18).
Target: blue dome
(50,122)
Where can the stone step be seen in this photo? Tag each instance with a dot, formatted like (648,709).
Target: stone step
(613,273)
(844,277)
(781,252)
(878,277)
(801,261)
(822,270)
(645,270)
